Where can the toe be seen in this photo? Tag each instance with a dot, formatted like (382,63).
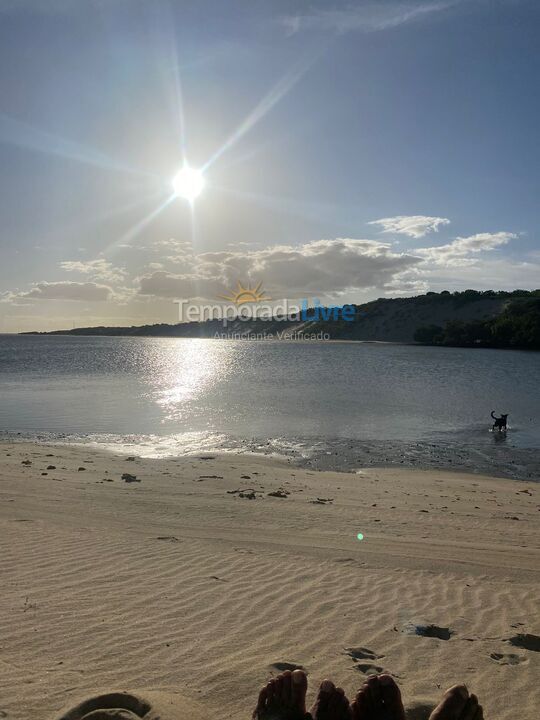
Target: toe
(326,688)
(374,688)
(273,691)
(326,691)
(391,697)
(471,707)
(332,703)
(261,702)
(358,706)
(286,684)
(298,689)
(362,703)
(345,711)
(452,704)
(335,699)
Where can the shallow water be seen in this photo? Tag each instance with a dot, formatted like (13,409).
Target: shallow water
(173,395)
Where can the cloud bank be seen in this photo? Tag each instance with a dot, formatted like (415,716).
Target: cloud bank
(64,290)
(338,269)
(321,268)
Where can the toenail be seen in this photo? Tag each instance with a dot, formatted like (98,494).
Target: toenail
(298,677)
(327,685)
(385,680)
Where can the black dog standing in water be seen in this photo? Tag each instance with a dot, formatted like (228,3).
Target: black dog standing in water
(500,422)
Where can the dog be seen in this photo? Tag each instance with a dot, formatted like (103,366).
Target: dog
(500,422)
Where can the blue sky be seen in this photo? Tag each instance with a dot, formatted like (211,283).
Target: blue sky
(352,150)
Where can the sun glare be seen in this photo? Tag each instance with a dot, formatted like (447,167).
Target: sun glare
(188,183)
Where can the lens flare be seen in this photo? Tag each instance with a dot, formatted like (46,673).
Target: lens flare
(188,183)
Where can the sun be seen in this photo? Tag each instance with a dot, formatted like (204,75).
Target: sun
(188,183)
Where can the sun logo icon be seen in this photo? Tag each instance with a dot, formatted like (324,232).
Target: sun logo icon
(243,295)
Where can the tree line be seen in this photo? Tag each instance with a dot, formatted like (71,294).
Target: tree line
(517,326)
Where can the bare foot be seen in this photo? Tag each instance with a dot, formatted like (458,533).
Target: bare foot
(457,704)
(331,703)
(379,698)
(283,698)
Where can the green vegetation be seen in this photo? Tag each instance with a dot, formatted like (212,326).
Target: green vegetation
(517,326)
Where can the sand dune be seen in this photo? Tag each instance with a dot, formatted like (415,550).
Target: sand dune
(178,588)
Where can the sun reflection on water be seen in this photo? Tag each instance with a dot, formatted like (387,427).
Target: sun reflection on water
(184,370)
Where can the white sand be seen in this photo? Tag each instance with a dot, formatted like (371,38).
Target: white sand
(175,586)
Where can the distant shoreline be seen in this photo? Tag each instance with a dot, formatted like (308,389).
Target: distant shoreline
(471,319)
(298,341)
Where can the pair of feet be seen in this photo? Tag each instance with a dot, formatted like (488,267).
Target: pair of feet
(379,698)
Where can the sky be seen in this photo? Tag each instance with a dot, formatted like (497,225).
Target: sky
(350,150)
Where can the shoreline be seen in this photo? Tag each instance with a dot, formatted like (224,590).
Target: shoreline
(494,456)
(206,572)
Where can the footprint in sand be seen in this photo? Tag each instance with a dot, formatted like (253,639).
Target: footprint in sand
(117,706)
(362,653)
(282,665)
(428,630)
(369,669)
(526,641)
(507,658)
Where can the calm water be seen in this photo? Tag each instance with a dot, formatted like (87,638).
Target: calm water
(203,391)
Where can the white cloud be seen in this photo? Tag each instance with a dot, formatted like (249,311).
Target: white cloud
(415,226)
(96,269)
(461,251)
(436,269)
(86,291)
(408,283)
(496,274)
(321,268)
(366,17)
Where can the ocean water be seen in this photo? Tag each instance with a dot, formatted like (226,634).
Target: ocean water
(169,396)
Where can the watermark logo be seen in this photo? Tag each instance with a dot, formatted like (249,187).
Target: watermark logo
(248,294)
(251,303)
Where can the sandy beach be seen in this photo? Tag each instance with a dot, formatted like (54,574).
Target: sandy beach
(204,576)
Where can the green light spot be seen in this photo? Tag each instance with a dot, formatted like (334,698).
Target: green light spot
(360,536)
